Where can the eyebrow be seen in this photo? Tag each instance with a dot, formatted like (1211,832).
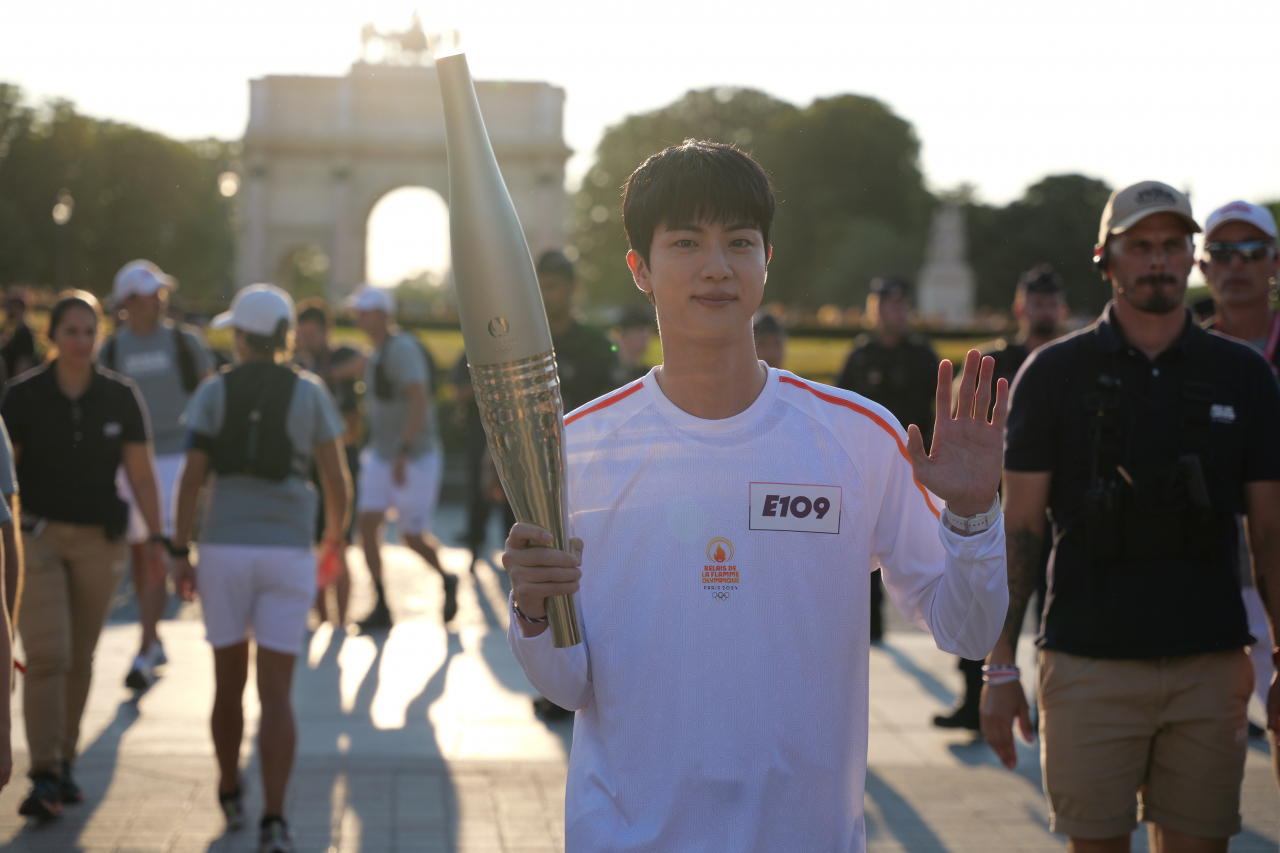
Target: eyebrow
(699,229)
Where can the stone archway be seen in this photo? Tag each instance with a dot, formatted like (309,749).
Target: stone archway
(320,151)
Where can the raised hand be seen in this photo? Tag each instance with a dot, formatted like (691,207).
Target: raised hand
(963,467)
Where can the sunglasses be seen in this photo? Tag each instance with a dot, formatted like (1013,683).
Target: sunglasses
(1248,250)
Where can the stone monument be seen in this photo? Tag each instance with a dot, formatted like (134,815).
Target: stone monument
(319,152)
(946,285)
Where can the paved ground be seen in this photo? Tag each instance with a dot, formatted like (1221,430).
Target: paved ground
(424,740)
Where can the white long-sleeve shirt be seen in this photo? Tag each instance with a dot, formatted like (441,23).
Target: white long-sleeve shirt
(722,682)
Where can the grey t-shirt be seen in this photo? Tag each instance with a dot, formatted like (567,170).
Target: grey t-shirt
(404,365)
(152,363)
(243,510)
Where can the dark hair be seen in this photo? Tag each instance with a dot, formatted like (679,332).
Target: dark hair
(889,285)
(1040,279)
(69,299)
(695,181)
(316,310)
(268,344)
(635,318)
(555,262)
(767,325)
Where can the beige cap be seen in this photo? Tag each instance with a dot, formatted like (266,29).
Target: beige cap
(1130,205)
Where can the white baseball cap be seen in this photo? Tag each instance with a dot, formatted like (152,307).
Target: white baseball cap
(258,310)
(370,298)
(140,278)
(1241,211)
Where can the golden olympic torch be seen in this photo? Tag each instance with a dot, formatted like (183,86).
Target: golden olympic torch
(504,327)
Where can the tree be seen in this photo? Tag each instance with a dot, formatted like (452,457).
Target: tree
(136,194)
(1056,221)
(722,115)
(852,200)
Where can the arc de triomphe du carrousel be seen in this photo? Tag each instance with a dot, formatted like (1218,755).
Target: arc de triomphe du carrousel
(320,151)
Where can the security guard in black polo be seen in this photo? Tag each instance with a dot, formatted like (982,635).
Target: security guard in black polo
(897,369)
(585,359)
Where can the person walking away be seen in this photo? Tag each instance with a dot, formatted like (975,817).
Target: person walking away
(585,359)
(18,350)
(73,424)
(631,336)
(771,340)
(402,465)
(1040,308)
(1143,435)
(340,368)
(166,362)
(1239,261)
(258,427)
(897,369)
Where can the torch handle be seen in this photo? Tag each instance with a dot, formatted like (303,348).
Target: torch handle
(523,417)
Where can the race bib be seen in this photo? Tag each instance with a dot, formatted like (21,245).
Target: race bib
(795,507)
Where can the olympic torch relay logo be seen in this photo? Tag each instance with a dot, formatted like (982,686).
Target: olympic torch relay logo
(719,573)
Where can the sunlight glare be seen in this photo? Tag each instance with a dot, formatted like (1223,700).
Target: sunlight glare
(408,235)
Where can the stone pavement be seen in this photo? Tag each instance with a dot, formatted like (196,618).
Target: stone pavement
(425,740)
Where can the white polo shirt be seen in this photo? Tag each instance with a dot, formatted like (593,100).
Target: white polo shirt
(722,682)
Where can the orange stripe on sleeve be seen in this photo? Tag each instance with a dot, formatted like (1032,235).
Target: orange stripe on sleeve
(883,424)
(606,402)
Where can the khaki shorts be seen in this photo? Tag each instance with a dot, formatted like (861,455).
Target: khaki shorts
(1169,734)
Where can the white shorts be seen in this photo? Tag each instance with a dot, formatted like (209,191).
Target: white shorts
(415,501)
(266,588)
(167,469)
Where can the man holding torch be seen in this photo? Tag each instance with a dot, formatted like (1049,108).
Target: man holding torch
(732,514)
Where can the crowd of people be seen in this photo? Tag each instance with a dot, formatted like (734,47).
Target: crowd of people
(1122,475)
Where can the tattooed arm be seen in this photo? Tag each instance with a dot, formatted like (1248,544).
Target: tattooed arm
(1026,494)
(1262,502)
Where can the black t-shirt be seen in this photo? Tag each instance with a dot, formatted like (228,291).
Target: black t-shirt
(587,365)
(344,391)
(902,378)
(1130,608)
(21,344)
(70,450)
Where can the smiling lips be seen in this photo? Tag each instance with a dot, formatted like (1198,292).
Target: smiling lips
(715,299)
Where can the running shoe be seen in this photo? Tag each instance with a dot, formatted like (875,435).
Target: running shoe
(378,620)
(233,808)
(68,790)
(44,801)
(450,597)
(141,676)
(273,837)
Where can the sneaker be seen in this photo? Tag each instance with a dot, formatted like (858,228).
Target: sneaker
(450,597)
(68,790)
(141,676)
(378,620)
(550,710)
(44,801)
(274,836)
(233,808)
(155,654)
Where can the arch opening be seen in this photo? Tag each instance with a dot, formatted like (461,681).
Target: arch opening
(407,239)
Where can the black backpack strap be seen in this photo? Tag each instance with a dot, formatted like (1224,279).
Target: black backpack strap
(186,360)
(107,358)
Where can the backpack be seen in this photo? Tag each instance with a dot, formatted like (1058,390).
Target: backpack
(186,359)
(382,387)
(254,440)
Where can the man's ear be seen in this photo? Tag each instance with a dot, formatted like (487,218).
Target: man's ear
(639,271)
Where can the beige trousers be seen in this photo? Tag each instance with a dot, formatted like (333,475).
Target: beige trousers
(72,571)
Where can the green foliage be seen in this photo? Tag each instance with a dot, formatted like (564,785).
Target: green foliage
(137,194)
(739,116)
(1055,221)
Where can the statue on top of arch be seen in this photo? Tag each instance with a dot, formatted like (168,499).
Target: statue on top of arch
(406,47)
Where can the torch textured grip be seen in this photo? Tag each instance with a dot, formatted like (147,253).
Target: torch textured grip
(523,417)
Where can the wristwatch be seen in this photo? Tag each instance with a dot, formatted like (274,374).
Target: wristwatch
(974,523)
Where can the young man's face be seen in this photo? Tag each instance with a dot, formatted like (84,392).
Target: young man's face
(557,295)
(1150,262)
(372,323)
(1237,281)
(311,337)
(1041,312)
(144,309)
(707,280)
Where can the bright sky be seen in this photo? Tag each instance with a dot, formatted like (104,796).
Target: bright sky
(1001,93)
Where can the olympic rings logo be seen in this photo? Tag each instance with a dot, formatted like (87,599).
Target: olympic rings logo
(722,596)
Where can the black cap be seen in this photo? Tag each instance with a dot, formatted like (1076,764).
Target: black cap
(1041,279)
(891,286)
(555,262)
(767,324)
